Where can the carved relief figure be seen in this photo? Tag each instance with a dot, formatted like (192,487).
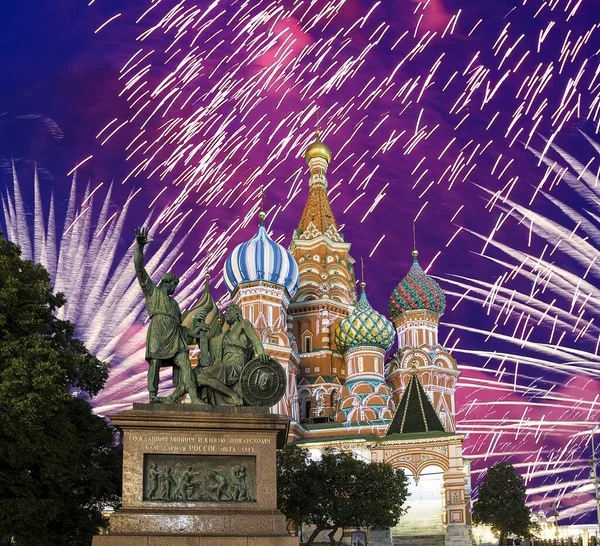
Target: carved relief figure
(185,484)
(240,487)
(219,485)
(167,483)
(153,477)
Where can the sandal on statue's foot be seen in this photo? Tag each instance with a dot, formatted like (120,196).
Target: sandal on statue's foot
(162,400)
(237,401)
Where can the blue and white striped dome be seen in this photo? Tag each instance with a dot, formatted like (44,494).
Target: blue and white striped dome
(261,259)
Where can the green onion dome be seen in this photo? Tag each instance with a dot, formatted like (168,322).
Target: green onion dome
(416,291)
(364,326)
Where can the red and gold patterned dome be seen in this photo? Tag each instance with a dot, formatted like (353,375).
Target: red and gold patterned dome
(416,291)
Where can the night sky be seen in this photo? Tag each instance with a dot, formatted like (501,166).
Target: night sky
(456,100)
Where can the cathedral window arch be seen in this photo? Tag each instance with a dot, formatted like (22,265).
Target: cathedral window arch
(305,405)
(334,399)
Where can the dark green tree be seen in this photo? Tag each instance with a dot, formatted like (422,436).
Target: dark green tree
(60,464)
(501,503)
(338,491)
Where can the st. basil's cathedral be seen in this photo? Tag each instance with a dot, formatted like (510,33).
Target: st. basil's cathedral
(344,390)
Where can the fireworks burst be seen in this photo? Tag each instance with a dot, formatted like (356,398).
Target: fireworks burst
(223,95)
(542,358)
(206,80)
(90,265)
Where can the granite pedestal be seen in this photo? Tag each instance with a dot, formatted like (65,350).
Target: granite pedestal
(199,476)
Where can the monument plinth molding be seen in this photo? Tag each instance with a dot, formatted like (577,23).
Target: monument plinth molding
(199,475)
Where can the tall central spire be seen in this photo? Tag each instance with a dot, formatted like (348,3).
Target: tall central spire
(317,209)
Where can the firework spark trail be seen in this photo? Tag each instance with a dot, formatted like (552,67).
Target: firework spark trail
(205,81)
(200,81)
(557,290)
(109,314)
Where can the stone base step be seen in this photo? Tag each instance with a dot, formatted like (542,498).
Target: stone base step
(148,540)
(419,540)
(421,532)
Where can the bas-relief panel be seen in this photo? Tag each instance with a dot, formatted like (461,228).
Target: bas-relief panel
(199,478)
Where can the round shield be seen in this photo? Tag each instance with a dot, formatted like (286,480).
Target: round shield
(262,383)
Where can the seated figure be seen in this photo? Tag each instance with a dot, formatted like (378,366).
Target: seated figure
(230,351)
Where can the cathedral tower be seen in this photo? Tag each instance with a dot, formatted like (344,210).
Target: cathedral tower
(261,277)
(364,337)
(415,307)
(326,293)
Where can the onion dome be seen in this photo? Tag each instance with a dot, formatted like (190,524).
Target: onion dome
(261,259)
(318,149)
(364,326)
(416,291)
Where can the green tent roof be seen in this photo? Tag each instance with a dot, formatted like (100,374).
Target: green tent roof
(415,412)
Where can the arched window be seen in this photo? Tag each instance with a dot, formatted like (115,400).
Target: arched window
(304,405)
(269,315)
(307,344)
(334,399)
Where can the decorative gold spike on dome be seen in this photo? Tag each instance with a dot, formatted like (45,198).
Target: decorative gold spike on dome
(415,252)
(207,274)
(261,213)
(318,149)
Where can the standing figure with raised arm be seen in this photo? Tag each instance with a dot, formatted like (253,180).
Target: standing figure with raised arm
(167,338)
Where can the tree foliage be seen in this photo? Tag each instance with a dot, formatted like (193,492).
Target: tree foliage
(338,491)
(60,464)
(501,503)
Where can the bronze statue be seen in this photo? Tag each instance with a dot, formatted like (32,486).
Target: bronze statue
(230,351)
(167,339)
(228,372)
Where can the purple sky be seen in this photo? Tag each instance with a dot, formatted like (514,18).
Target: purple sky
(61,88)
